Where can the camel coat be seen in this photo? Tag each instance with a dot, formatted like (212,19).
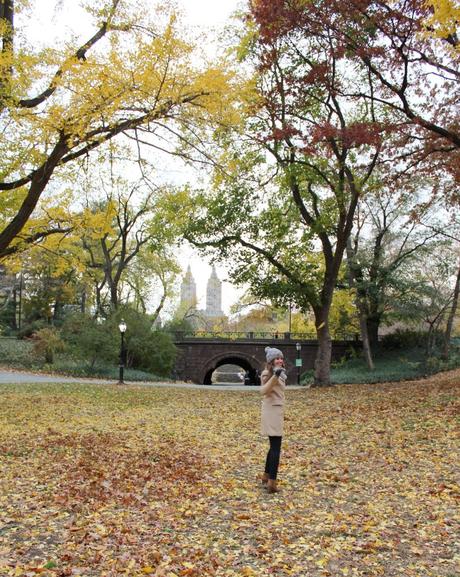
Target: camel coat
(272,416)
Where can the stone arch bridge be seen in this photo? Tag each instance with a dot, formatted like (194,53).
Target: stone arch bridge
(201,353)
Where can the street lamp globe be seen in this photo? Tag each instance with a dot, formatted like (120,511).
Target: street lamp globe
(122,326)
(298,346)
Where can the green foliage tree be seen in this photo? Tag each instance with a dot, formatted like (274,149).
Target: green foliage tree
(284,204)
(89,339)
(386,240)
(128,243)
(429,292)
(147,347)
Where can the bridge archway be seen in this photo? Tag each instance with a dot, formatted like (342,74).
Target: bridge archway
(248,363)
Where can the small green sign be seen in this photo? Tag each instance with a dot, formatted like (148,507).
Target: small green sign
(298,362)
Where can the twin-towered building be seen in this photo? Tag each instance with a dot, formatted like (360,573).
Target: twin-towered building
(188,298)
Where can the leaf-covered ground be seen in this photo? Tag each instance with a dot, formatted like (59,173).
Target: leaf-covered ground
(135,481)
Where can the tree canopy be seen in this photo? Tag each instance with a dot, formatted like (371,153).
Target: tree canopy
(134,69)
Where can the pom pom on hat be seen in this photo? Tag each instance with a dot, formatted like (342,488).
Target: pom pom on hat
(272,353)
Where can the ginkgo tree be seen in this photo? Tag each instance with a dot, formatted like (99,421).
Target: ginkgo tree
(444,20)
(133,70)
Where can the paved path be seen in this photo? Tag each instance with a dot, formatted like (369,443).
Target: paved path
(8,376)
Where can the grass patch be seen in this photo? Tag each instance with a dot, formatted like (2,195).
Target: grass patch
(75,368)
(390,366)
(17,353)
(102,480)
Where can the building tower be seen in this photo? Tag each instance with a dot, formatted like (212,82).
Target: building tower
(214,296)
(188,290)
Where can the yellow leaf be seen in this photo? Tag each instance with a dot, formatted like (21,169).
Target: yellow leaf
(248,572)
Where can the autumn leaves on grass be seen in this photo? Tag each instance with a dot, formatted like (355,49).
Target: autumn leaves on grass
(105,481)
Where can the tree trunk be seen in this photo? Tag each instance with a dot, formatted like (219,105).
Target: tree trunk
(113,294)
(373,324)
(37,186)
(450,320)
(83,301)
(324,354)
(367,350)
(354,273)
(13,323)
(323,358)
(99,307)
(159,308)
(374,290)
(430,340)
(57,310)
(7,14)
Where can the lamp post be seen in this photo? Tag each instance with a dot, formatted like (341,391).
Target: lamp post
(298,361)
(122,327)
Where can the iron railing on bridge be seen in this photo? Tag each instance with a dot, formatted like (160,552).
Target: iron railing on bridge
(260,335)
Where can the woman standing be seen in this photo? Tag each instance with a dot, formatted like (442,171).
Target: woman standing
(273,384)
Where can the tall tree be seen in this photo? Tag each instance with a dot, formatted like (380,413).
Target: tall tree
(430,293)
(322,148)
(385,239)
(451,316)
(58,104)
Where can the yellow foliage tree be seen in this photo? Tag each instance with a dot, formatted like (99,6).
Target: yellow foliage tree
(445,20)
(343,318)
(59,103)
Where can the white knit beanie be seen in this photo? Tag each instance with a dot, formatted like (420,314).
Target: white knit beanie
(272,353)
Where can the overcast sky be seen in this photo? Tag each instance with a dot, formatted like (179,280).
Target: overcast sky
(209,15)
(208,12)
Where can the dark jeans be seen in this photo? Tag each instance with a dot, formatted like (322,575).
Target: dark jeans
(273,457)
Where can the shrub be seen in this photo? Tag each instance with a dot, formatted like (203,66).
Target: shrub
(147,348)
(7,318)
(89,340)
(15,353)
(405,339)
(29,329)
(434,364)
(47,342)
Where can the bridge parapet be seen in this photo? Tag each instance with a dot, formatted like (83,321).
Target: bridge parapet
(259,335)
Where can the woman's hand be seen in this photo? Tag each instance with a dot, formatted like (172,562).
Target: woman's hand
(280,372)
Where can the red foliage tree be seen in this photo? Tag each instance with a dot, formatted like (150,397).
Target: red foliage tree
(412,74)
(323,132)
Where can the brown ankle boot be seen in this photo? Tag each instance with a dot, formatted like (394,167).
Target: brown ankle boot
(264,478)
(272,486)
